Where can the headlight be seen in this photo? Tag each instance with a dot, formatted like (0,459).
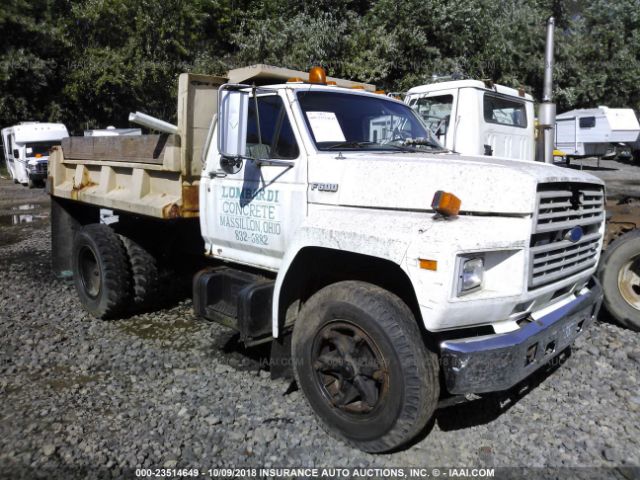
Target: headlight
(470,274)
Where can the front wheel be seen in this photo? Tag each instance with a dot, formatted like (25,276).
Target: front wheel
(101,271)
(619,274)
(363,366)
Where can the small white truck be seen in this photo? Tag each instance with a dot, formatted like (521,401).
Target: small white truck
(385,270)
(26,150)
(474,117)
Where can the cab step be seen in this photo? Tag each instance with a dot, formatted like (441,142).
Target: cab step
(235,298)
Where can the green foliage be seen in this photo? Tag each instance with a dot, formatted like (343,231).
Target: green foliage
(88,63)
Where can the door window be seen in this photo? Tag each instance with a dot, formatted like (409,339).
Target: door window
(435,111)
(274,138)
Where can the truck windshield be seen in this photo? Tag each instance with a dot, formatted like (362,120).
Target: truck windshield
(41,149)
(346,121)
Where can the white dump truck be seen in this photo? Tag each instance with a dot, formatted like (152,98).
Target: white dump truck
(388,272)
(27,147)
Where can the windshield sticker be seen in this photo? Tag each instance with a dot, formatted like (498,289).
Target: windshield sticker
(325,126)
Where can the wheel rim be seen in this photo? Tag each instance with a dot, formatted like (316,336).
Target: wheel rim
(629,282)
(89,272)
(349,368)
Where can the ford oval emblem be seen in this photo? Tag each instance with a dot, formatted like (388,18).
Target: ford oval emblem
(574,235)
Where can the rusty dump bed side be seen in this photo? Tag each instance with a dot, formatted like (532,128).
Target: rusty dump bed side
(153,175)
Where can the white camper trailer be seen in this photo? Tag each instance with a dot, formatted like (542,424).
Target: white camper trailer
(477,118)
(589,132)
(112,131)
(26,150)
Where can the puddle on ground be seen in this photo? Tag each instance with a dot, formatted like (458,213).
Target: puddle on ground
(19,219)
(7,238)
(157,330)
(60,384)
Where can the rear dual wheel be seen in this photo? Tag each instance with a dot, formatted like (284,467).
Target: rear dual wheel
(101,271)
(363,366)
(113,275)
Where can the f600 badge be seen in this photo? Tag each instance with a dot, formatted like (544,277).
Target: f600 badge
(324,187)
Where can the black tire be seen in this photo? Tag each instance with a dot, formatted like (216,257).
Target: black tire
(31,183)
(145,275)
(619,273)
(101,271)
(390,371)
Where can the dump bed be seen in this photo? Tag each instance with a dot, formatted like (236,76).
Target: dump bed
(154,175)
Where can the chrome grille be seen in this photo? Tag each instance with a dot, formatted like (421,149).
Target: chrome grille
(560,208)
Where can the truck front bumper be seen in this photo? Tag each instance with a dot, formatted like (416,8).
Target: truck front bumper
(493,363)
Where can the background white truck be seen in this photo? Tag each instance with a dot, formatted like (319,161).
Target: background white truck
(27,147)
(473,117)
(381,290)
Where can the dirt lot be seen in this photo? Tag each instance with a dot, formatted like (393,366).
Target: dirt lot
(622,178)
(83,398)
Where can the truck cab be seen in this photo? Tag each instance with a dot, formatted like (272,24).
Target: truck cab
(477,118)
(383,268)
(27,147)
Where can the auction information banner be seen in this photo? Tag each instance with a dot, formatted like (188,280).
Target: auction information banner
(276,473)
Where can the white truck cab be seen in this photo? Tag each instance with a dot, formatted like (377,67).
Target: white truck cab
(386,271)
(27,147)
(477,118)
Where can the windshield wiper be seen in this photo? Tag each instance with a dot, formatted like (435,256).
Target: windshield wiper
(423,141)
(350,144)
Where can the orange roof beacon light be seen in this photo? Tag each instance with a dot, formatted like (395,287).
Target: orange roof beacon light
(380,92)
(332,83)
(317,75)
(445,204)
(294,80)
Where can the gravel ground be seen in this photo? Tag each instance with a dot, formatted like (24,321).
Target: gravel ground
(622,177)
(88,398)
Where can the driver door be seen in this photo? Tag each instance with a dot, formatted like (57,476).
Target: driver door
(252,211)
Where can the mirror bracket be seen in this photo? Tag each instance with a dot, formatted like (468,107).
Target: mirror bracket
(273,162)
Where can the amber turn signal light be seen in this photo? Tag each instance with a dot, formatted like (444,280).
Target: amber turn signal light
(428,264)
(446,204)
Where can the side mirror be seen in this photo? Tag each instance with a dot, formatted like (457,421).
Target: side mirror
(16,153)
(233,111)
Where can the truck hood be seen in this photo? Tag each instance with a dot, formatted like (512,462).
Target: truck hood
(408,181)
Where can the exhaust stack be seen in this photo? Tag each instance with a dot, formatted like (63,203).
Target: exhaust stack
(547,109)
(152,122)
